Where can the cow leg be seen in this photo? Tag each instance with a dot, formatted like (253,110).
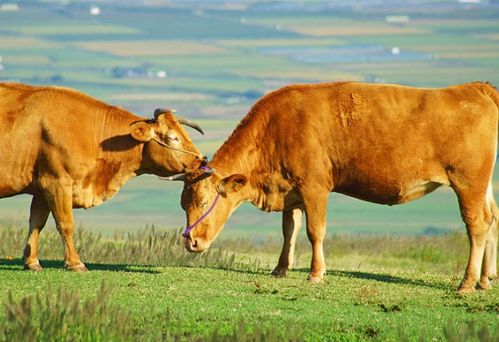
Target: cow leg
(315,202)
(39,212)
(478,219)
(291,224)
(489,266)
(61,205)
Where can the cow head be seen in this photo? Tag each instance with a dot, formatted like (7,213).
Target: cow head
(167,147)
(209,200)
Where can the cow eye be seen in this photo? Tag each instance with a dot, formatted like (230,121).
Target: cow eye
(173,138)
(204,205)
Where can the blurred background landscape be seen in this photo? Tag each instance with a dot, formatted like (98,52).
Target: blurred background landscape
(211,60)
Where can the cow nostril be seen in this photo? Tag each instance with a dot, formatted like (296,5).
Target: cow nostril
(194,243)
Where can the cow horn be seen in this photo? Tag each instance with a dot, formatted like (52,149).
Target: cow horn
(190,123)
(180,119)
(159,111)
(177,177)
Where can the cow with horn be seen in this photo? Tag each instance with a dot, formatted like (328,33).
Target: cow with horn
(69,150)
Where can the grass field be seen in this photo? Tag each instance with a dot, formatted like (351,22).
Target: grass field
(392,271)
(145,286)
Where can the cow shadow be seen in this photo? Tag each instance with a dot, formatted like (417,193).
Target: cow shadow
(382,277)
(17,264)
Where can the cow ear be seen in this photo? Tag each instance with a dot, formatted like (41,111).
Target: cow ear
(142,131)
(231,184)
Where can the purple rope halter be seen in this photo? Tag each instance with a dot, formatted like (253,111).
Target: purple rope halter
(191,227)
(198,221)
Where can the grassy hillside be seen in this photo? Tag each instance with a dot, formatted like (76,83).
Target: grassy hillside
(145,286)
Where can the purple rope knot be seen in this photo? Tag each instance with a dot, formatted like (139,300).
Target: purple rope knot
(191,227)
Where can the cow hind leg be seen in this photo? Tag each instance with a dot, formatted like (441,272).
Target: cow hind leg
(291,224)
(489,266)
(61,206)
(479,219)
(39,213)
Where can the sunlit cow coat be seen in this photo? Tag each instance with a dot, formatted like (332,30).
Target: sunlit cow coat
(69,150)
(386,144)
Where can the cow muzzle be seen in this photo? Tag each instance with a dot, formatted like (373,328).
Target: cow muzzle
(195,245)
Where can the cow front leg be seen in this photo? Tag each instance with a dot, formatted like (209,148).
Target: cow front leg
(291,224)
(61,205)
(39,212)
(315,203)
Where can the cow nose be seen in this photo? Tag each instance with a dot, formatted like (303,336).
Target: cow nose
(191,244)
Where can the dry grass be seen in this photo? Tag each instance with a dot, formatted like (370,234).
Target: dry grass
(64,316)
(339,30)
(492,36)
(322,27)
(26,43)
(151,47)
(145,247)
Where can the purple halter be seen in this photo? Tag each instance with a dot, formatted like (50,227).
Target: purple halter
(198,221)
(191,227)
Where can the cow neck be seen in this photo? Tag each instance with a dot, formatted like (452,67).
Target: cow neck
(117,144)
(243,151)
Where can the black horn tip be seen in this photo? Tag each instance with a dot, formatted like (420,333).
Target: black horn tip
(159,111)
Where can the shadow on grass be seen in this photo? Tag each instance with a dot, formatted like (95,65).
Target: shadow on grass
(7,264)
(385,278)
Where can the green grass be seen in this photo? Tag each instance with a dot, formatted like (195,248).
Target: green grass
(137,280)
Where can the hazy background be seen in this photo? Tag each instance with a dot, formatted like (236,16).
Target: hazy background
(211,60)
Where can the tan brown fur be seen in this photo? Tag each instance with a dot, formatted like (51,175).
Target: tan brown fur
(69,150)
(387,144)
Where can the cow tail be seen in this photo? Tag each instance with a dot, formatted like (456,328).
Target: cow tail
(493,93)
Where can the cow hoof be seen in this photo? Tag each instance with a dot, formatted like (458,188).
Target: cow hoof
(314,279)
(34,266)
(483,285)
(492,276)
(466,289)
(77,268)
(279,273)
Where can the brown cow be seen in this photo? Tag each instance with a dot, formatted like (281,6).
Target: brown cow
(69,150)
(387,144)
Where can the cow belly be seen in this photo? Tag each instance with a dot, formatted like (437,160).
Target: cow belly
(391,194)
(418,190)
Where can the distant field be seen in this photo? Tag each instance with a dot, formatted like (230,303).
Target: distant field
(151,48)
(71,30)
(219,62)
(333,26)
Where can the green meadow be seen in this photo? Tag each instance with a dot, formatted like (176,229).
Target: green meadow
(145,285)
(392,271)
